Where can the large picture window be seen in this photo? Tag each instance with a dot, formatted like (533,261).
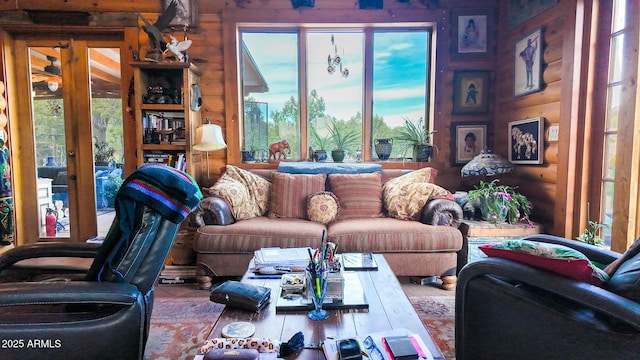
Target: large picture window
(301,84)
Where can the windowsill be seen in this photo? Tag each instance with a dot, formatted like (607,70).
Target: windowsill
(273,164)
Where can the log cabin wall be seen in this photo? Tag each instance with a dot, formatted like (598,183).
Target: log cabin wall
(543,184)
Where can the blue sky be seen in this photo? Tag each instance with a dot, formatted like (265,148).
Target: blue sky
(399,89)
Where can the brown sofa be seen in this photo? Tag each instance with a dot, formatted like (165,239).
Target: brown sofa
(432,246)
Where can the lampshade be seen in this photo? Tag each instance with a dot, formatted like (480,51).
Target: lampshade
(488,164)
(209,138)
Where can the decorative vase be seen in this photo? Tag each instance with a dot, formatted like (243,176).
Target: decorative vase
(337,155)
(421,153)
(383,148)
(248,156)
(51,161)
(320,155)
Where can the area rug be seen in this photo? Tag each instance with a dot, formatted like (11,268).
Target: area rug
(179,326)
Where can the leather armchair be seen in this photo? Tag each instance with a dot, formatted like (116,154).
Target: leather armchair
(509,310)
(103,313)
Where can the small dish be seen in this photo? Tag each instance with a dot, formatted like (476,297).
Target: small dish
(293,281)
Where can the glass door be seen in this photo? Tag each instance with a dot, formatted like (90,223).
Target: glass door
(76,119)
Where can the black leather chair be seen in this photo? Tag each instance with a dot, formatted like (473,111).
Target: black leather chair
(106,314)
(509,310)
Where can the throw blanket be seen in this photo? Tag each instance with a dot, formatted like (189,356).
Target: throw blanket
(327,168)
(171,192)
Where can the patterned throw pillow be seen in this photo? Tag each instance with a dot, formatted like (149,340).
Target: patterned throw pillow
(553,257)
(322,207)
(289,194)
(359,195)
(405,196)
(247,193)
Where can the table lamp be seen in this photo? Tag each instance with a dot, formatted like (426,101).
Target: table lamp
(209,138)
(487,163)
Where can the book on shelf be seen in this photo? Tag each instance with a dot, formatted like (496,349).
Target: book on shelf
(162,280)
(330,346)
(359,261)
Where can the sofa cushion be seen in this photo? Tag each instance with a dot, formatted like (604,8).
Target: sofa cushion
(256,233)
(360,195)
(553,257)
(289,194)
(387,235)
(246,193)
(405,196)
(322,207)
(625,273)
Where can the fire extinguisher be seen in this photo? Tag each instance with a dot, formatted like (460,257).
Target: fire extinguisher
(50,222)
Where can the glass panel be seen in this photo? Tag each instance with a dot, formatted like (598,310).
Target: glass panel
(613,108)
(335,80)
(50,144)
(270,89)
(610,156)
(615,61)
(398,55)
(607,210)
(106,119)
(619,9)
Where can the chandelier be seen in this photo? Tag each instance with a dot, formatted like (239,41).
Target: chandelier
(335,62)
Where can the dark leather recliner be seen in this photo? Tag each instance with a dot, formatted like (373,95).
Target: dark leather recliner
(106,314)
(509,310)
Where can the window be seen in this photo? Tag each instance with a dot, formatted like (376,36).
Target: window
(299,83)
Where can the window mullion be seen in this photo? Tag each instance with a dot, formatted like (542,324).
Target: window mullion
(367,111)
(302,80)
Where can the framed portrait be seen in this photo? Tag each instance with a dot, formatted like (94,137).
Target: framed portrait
(186,13)
(519,11)
(471,29)
(470,92)
(526,141)
(467,140)
(528,64)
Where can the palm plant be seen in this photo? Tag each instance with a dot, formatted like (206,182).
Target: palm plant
(319,142)
(343,138)
(414,135)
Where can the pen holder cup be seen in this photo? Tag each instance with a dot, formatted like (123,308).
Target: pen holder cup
(316,291)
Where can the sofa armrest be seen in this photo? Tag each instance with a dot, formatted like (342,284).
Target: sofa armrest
(443,212)
(213,211)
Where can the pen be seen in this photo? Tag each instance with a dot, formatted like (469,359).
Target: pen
(318,287)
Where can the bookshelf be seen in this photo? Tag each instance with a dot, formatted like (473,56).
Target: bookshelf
(165,119)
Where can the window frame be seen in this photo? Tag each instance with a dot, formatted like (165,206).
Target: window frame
(235,19)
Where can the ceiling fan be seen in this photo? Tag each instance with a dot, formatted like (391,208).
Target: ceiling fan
(50,74)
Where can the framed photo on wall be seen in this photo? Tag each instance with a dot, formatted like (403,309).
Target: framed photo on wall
(467,140)
(526,141)
(528,64)
(471,29)
(470,92)
(186,13)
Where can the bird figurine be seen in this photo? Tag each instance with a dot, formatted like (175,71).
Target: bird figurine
(154,31)
(177,47)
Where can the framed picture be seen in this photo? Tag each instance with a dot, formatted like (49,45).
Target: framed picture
(519,11)
(528,64)
(467,140)
(470,92)
(186,13)
(526,141)
(471,29)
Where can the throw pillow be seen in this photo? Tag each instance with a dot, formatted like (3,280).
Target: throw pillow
(246,193)
(289,194)
(405,196)
(625,273)
(322,207)
(359,195)
(560,259)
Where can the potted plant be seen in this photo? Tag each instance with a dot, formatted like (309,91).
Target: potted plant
(249,154)
(500,203)
(320,144)
(416,137)
(343,139)
(103,153)
(590,234)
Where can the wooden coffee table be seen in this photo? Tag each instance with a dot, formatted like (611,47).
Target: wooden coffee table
(389,309)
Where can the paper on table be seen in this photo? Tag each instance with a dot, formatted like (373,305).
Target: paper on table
(330,346)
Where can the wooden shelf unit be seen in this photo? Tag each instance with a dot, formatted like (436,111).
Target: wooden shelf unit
(176,79)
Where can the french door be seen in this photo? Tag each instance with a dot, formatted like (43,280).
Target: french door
(70,136)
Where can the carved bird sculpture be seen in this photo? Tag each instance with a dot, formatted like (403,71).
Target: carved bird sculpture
(155,30)
(177,47)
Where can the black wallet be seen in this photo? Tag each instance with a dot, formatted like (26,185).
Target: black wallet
(241,295)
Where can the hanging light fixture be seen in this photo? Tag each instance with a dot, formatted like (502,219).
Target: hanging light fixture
(335,62)
(209,138)
(52,85)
